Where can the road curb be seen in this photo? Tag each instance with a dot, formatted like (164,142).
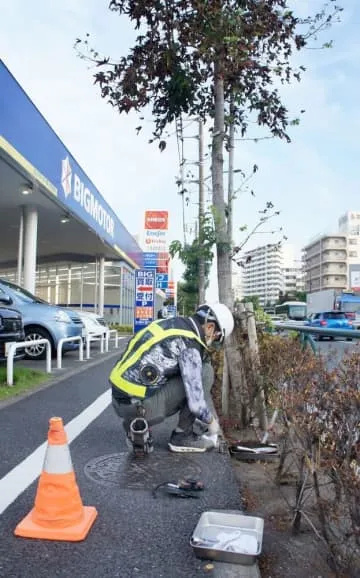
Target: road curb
(66,374)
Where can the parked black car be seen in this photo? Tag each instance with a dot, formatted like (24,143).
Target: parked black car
(11,329)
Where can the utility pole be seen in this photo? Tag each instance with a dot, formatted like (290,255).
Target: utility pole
(231,175)
(182,185)
(180,141)
(229,230)
(201,214)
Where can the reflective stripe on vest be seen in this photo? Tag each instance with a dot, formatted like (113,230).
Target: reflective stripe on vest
(129,358)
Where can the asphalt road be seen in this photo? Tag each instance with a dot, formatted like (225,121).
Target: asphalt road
(135,535)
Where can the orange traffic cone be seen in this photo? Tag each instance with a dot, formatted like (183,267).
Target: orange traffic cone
(58,513)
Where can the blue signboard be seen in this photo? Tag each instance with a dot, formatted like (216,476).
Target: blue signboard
(24,130)
(144,298)
(162,280)
(150,260)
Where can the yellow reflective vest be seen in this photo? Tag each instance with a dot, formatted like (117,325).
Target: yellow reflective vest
(137,347)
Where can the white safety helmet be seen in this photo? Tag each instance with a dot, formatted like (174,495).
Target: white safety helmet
(222,316)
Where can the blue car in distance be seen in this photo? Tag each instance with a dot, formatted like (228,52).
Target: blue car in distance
(41,320)
(329,320)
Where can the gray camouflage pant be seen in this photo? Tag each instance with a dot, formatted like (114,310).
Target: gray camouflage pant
(167,401)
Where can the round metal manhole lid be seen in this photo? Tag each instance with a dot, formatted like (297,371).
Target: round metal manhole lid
(125,471)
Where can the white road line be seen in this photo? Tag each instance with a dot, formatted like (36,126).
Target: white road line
(25,473)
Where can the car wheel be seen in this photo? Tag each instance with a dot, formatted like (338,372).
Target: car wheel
(36,352)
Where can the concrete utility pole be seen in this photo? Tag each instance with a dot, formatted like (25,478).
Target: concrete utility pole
(231,178)
(201,213)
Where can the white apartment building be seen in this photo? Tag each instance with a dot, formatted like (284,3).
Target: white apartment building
(349,223)
(292,270)
(237,284)
(270,269)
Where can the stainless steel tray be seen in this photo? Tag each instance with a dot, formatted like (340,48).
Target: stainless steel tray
(228,537)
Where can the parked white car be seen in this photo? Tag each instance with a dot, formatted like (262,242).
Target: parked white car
(93,324)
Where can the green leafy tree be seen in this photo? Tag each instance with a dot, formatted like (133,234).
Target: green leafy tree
(291,296)
(254,299)
(218,60)
(193,57)
(188,289)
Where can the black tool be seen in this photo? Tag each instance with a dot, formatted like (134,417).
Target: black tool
(140,434)
(187,488)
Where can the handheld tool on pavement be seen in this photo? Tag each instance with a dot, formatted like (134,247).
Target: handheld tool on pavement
(187,488)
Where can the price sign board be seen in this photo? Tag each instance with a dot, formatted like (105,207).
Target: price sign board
(144,298)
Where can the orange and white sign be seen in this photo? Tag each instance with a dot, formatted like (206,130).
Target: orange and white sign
(157,220)
(155,238)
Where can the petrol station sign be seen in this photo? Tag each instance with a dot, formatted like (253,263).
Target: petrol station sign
(144,298)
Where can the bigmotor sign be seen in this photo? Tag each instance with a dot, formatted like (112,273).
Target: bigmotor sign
(25,134)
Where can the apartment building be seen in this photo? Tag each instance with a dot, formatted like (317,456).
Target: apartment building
(262,273)
(326,263)
(237,284)
(292,270)
(332,261)
(349,223)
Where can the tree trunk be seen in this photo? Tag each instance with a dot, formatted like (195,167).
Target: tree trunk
(223,248)
(260,404)
(222,240)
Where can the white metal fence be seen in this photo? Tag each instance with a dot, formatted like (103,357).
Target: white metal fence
(12,347)
(104,336)
(60,349)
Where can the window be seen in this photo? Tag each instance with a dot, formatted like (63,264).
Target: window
(334,315)
(352,241)
(352,253)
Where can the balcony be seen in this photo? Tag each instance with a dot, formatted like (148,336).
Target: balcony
(330,256)
(335,244)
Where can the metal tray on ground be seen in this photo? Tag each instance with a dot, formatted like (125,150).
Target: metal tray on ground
(228,537)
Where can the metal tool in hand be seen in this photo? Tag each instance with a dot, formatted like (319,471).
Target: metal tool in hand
(139,433)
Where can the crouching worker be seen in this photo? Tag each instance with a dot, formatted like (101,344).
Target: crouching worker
(166,370)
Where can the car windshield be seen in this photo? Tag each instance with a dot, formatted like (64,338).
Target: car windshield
(22,294)
(297,311)
(334,315)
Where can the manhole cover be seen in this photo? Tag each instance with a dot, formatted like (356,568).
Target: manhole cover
(126,472)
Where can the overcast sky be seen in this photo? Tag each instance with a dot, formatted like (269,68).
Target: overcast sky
(312,181)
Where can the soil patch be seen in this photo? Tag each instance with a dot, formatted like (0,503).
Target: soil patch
(283,555)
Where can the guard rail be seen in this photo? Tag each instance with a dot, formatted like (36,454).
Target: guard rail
(307,332)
